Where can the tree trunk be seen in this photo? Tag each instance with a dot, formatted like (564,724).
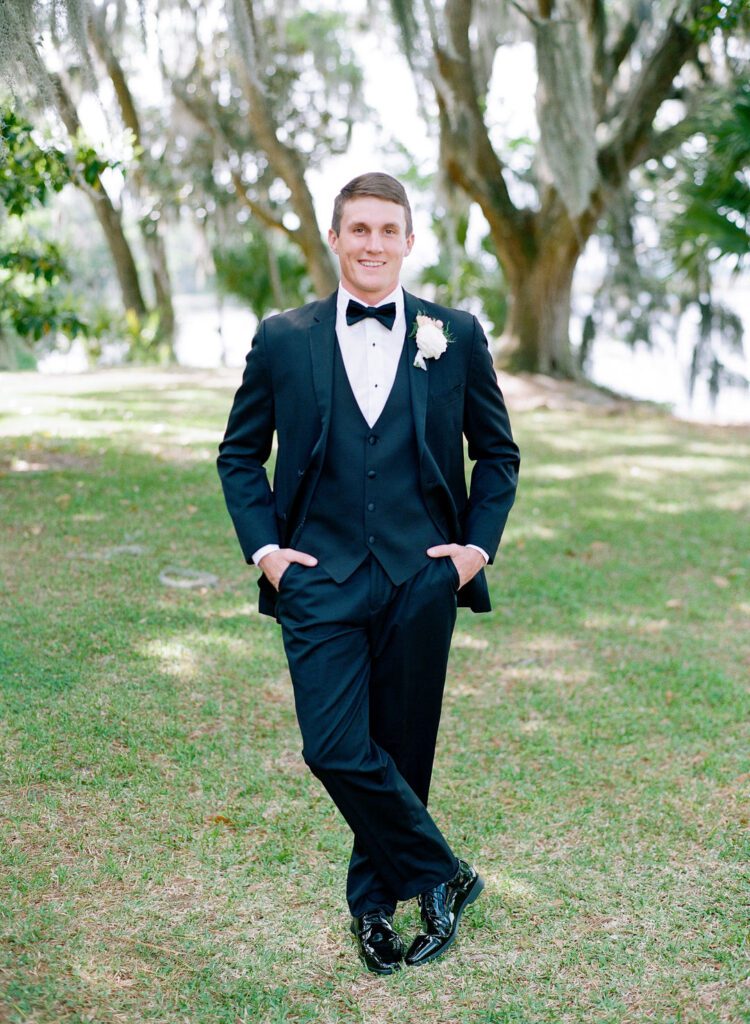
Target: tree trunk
(122,256)
(316,252)
(538,246)
(107,215)
(151,230)
(539,265)
(536,336)
(274,275)
(157,257)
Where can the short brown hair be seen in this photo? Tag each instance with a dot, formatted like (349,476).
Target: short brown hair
(377,184)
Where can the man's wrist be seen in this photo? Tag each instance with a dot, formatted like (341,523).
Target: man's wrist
(262,552)
(481,551)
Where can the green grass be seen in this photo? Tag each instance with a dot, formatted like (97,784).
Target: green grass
(167,857)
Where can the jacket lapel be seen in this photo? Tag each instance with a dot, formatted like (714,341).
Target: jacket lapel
(322,338)
(418,378)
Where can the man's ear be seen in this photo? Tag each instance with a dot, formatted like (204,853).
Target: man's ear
(409,244)
(333,240)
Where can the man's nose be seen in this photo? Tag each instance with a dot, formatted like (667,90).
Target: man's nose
(374,243)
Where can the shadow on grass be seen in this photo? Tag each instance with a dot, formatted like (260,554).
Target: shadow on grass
(591,756)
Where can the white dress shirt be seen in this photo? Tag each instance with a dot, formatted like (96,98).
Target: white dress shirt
(370,353)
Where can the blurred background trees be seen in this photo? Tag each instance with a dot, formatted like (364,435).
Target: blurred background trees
(37,300)
(218,114)
(208,128)
(619,86)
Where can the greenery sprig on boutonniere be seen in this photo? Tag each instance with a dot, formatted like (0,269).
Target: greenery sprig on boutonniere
(432,337)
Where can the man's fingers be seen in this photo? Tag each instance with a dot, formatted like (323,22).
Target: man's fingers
(300,556)
(441,550)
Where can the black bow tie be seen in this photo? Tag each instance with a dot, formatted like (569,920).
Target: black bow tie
(386,314)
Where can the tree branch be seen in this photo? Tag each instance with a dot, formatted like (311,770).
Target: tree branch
(203,116)
(262,212)
(97,33)
(285,160)
(522,10)
(471,160)
(596,25)
(622,47)
(644,99)
(658,144)
(108,215)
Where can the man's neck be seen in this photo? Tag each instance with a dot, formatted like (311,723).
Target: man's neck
(370,300)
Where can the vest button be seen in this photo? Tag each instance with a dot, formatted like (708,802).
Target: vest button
(370,540)
(371,473)
(371,506)
(372,439)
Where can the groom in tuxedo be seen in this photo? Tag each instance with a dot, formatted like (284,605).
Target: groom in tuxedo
(367,541)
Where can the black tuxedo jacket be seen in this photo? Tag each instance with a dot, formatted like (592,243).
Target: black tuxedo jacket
(287,389)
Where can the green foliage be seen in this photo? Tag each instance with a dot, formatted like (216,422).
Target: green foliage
(145,342)
(28,173)
(712,220)
(726,16)
(710,228)
(266,276)
(312,84)
(35,312)
(698,200)
(34,304)
(316,86)
(460,274)
(634,293)
(465,276)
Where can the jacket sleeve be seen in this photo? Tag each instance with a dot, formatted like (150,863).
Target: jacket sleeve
(245,450)
(496,458)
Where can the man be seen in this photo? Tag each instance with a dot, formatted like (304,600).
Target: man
(367,541)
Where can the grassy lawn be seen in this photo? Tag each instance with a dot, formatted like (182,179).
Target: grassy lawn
(166,856)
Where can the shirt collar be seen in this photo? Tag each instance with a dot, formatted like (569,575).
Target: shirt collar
(397,296)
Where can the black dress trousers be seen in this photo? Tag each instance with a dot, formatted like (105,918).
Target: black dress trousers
(368,661)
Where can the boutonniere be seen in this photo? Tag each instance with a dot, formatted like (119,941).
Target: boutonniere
(432,339)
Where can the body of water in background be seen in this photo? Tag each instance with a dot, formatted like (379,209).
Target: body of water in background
(212,336)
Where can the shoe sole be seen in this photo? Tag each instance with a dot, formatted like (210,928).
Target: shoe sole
(379,973)
(474,893)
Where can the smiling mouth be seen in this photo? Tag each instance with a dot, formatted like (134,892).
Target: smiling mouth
(372,263)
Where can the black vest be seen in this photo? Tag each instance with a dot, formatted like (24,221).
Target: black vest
(368,498)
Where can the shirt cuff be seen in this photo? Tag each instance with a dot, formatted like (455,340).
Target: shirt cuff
(262,552)
(481,551)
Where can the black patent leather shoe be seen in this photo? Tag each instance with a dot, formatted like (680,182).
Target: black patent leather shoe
(441,910)
(380,945)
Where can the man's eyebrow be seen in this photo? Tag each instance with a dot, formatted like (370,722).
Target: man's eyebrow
(363,224)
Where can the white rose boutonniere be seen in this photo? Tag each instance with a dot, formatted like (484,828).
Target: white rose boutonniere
(432,339)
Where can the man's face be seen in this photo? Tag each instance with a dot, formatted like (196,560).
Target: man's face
(371,247)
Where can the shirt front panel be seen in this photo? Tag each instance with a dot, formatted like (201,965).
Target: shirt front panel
(370,353)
